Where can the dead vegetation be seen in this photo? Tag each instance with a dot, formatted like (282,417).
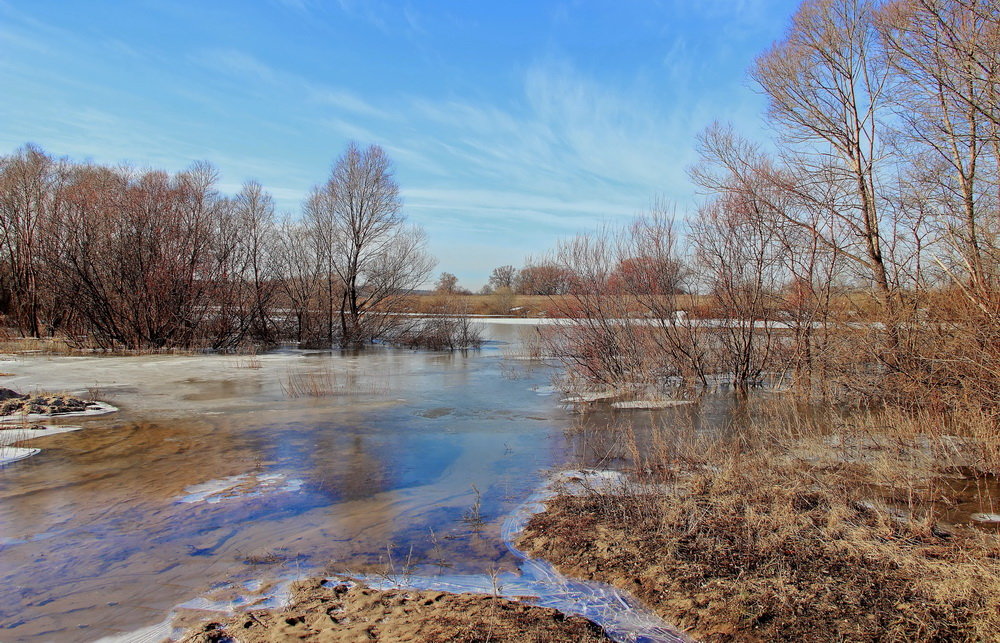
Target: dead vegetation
(795,530)
(447,326)
(326,382)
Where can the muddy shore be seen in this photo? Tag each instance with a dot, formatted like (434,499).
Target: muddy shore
(763,547)
(343,611)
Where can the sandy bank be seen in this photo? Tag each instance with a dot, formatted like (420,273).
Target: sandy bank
(334,611)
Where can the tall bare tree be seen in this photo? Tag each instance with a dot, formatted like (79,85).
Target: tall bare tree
(826,86)
(502,277)
(28,197)
(946,94)
(253,210)
(371,255)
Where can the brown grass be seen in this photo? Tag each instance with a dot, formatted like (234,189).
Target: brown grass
(326,382)
(859,306)
(45,346)
(526,305)
(793,531)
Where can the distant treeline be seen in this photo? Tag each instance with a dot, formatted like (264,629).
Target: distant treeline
(118,258)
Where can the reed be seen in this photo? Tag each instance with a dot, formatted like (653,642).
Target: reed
(798,527)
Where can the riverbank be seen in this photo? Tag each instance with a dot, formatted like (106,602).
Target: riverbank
(797,534)
(345,611)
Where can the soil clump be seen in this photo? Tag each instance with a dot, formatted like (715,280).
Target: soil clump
(14,403)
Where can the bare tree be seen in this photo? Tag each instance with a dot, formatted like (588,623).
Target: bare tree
(447,282)
(622,324)
(543,278)
(502,277)
(300,268)
(134,254)
(371,256)
(255,214)
(244,246)
(740,255)
(28,195)
(946,90)
(826,87)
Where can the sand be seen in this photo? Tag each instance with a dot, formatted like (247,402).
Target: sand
(323,610)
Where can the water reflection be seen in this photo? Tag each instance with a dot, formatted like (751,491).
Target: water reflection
(214,471)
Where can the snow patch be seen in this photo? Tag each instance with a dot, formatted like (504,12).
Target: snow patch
(650,404)
(13,454)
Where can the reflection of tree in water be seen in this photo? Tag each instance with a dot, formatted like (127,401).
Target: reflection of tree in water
(340,465)
(363,475)
(606,438)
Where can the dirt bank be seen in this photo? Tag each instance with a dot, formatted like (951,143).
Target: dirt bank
(325,611)
(762,546)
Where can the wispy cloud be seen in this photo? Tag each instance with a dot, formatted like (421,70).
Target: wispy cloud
(237,63)
(495,145)
(570,151)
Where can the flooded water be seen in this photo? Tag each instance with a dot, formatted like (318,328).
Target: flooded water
(223,471)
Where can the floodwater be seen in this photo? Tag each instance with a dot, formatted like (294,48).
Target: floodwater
(223,472)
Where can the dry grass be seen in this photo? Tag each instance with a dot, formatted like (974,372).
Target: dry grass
(320,383)
(791,531)
(34,345)
(251,361)
(859,306)
(326,382)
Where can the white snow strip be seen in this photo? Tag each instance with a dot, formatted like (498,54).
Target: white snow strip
(650,404)
(13,434)
(592,396)
(13,454)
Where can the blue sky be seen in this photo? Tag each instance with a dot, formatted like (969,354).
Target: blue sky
(511,123)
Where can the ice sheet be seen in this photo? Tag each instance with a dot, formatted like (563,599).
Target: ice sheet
(13,454)
(241,486)
(650,404)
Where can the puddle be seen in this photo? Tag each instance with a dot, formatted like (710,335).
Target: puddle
(976,498)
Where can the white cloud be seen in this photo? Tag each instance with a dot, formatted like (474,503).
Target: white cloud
(238,63)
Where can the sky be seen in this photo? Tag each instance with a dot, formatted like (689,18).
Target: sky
(511,124)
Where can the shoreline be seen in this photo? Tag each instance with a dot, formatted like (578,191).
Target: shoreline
(344,610)
(544,604)
(761,547)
